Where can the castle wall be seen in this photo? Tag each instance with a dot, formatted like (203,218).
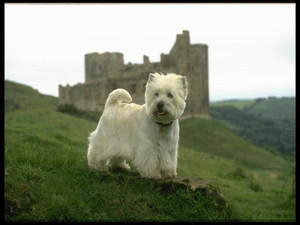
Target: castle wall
(106,72)
(84,96)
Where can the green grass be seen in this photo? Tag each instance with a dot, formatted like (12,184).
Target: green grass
(214,138)
(20,96)
(275,135)
(47,177)
(275,108)
(253,194)
(238,103)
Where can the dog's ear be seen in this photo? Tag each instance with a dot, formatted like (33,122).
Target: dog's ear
(151,77)
(184,85)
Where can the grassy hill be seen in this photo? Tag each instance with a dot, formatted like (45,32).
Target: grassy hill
(238,103)
(274,108)
(20,96)
(47,178)
(269,123)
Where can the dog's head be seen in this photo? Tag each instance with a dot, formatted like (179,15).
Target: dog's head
(165,96)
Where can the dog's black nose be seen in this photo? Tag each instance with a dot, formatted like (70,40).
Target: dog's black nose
(160,106)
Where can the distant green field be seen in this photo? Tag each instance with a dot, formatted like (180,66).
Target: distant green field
(269,123)
(238,103)
(272,107)
(47,178)
(275,108)
(214,138)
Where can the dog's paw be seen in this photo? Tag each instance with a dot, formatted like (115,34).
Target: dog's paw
(154,176)
(125,166)
(120,166)
(169,173)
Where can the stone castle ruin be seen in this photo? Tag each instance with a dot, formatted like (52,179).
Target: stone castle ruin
(107,71)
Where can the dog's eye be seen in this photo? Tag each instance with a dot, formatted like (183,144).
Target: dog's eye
(156,94)
(170,95)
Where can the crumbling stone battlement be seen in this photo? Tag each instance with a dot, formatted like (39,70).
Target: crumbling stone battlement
(107,71)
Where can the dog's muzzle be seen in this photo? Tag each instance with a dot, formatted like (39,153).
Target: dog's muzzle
(160,109)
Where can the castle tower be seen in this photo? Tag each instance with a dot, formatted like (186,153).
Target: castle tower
(191,61)
(99,66)
(198,76)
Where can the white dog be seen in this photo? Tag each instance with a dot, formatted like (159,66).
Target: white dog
(147,135)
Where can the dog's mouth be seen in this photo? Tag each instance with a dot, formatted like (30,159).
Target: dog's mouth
(161,113)
(162,116)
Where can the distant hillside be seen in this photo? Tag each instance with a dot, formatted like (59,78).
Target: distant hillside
(262,131)
(47,178)
(238,103)
(269,123)
(215,139)
(21,96)
(274,108)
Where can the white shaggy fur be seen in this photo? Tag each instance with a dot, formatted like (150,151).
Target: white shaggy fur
(147,135)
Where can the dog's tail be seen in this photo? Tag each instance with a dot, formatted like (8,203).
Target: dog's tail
(118,96)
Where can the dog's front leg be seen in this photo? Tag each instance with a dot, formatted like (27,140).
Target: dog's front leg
(147,164)
(168,164)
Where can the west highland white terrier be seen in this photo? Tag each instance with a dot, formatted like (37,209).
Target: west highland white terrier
(145,135)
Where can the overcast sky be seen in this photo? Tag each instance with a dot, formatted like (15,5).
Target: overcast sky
(251,46)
